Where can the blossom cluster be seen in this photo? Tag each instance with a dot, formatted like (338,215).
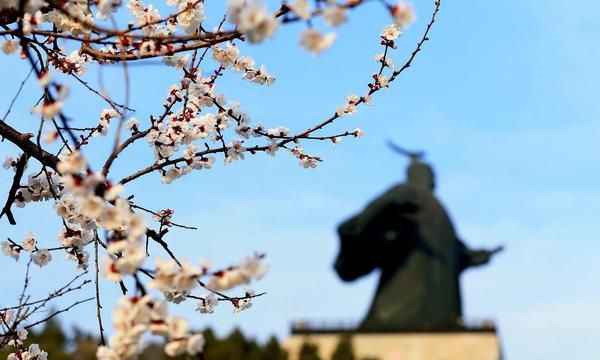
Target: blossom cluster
(90,202)
(249,268)
(39,187)
(252,19)
(176,280)
(229,57)
(17,339)
(40,257)
(135,316)
(187,124)
(73,63)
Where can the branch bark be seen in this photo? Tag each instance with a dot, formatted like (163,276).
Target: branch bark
(28,147)
(12,193)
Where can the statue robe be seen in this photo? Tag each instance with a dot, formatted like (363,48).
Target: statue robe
(408,235)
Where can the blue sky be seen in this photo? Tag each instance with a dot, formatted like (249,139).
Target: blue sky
(504,101)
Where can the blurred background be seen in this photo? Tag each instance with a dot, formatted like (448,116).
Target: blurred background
(503,99)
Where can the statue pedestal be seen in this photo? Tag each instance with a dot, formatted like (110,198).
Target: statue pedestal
(455,344)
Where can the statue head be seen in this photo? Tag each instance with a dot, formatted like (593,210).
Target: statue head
(420,174)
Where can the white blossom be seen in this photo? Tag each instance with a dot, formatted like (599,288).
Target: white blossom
(308,162)
(250,268)
(106,7)
(176,61)
(253,19)
(272,148)
(170,175)
(186,278)
(382,80)
(29,243)
(391,32)
(207,303)
(73,163)
(17,340)
(74,23)
(9,163)
(49,109)
(301,8)
(192,17)
(190,151)
(244,303)
(41,257)
(334,15)
(10,47)
(176,296)
(32,21)
(11,250)
(404,14)
(35,353)
(203,163)
(387,61)
(132,124)
(195,344)
(164,275)
(312,40)
(235,151)
(228,56)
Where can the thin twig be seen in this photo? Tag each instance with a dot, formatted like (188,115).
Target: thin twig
(97,281)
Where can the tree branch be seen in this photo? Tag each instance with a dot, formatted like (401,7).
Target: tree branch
(28,147)
(12,193)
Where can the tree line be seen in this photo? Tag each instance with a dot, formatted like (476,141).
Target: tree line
(81,345)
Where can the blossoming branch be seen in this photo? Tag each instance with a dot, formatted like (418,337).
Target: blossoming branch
(102,225)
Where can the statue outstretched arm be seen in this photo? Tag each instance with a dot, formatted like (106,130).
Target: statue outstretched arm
(469,257)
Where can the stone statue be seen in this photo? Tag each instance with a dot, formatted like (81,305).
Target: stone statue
(409,236)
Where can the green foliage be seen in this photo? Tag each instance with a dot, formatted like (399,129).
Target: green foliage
(233,347)
(80,345)
(344,349)
(309,351)
(237,347)
(273,351)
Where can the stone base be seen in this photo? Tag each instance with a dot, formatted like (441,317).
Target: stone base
(481,344)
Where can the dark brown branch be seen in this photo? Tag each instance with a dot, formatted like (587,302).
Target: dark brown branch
(12,193)
(28,147)
(98,55)
(113,156)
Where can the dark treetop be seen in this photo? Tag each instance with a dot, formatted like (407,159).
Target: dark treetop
(408,235)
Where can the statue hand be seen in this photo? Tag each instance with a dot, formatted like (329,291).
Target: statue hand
(486,255)
(496,250)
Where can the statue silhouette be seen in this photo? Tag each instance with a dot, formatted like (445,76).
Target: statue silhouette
(409,236)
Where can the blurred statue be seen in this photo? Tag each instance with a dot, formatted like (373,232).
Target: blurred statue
(409,236)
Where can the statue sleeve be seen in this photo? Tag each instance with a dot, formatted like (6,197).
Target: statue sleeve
(363,238)
(356,257)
